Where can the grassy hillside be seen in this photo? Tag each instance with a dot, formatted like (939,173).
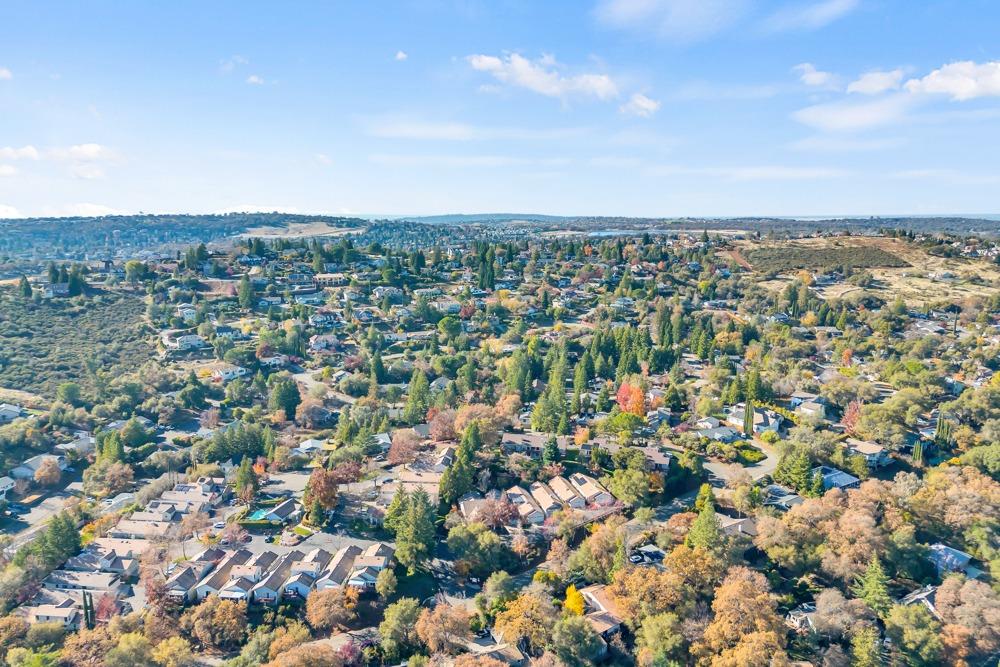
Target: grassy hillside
(44,344)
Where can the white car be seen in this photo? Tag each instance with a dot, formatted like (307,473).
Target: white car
(219,525)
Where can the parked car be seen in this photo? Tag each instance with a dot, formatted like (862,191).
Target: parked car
(219,525)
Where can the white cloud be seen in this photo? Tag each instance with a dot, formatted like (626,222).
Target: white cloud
(753,173)
(809,75)
(229,64)
(701,91)
(964,80)
(543,76)
(875,82)
(460,161)
(640,105)
(323,158)
(679,20)
(401,55)
(408,128)
(948,176)
(840,144)
(405,129)
(9,212)
(23,153)
(83,209)
(256,208)
(6,74)
(255,80)
(87,172)
(7,170)
(90,152)
(850,116)
(809,15)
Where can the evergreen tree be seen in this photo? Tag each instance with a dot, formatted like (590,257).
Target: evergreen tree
(24,287)
(873,587)
(550,453)
(419,398)
(705,531)
(245,293)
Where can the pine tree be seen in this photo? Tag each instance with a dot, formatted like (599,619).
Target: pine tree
(748,415)
(705,531)
(24,287)
(865,648)
(550,454)
(873,587)
(245,293)
(418,399)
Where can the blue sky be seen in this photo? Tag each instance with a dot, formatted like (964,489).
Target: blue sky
(610,107)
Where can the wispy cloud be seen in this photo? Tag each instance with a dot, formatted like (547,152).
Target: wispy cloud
(401,56)
(702,91)
(408,128)
(808,15)
(841,144)
(6,74)
(544,76)
(23,153)
(9,212)
(7,170)
(810,76)
(876,82)
(947,176)
(847,115)
(460,161)
(753,172)
(229,64)
(255,80)
(640,105)
(677,20)
(963,80)
(88,172)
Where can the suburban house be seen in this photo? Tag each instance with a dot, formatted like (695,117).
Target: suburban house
(591,490)
(875,454)
(27,469)
(836,479)
(566,493)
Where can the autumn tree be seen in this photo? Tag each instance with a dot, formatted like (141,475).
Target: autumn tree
(322,488)
(745,623)
(331,608)
(528,618)
(174,652)
(445,629)
(215,623)
(48,473)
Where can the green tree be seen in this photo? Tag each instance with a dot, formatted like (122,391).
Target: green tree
(24,287)
(575,641)
(69,392)
(415,531)
(398,627)
(284,396)
(873,587)
(915,635)
(866,650)
(705,531)
(418,399)
(245,293)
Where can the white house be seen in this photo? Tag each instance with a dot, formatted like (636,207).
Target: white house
(591,489)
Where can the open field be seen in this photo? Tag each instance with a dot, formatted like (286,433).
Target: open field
(298,230)
(918,283)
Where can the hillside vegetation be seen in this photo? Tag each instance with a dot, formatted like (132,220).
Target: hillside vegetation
(43,344)
(790,257)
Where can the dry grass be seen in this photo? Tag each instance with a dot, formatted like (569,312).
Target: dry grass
(974,278)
